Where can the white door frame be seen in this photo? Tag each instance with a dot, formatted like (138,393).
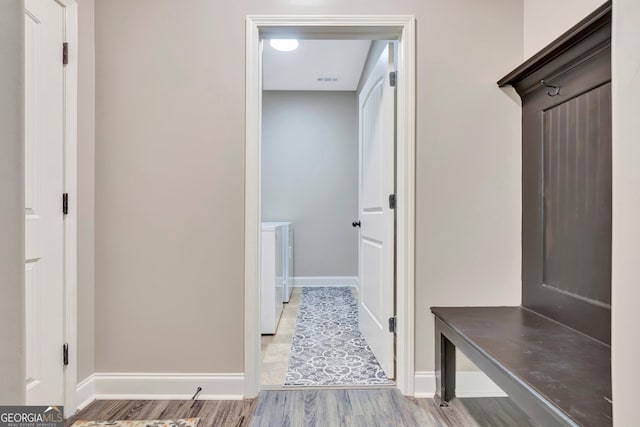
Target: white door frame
(70,167)
(401,28)
(71,187)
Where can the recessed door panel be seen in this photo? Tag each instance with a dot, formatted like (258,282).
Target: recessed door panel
(372,149)
(372,257)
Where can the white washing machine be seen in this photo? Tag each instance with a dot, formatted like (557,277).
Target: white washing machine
(287,256)
(271,279)
(277,272)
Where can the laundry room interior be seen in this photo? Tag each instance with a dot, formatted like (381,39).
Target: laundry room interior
(310,159)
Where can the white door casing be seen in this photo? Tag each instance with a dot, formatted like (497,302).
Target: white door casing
(371,27)
(376,108)
(44,186)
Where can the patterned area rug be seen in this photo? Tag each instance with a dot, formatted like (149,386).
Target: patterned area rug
(327,347)
(186,422)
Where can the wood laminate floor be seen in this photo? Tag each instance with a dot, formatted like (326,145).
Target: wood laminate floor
(227,413)
(318,408)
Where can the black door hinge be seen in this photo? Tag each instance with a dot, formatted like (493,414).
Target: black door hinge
(65,203)
(393,78)
(392,201)
(65,53)
(393,324)
(65,354)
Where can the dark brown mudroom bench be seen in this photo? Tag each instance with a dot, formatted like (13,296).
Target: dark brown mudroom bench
(552,354)
(557,375)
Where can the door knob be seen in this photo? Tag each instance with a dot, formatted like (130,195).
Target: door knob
(356,223)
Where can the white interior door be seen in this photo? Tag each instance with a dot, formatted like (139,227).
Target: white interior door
(44,145)
(376,175)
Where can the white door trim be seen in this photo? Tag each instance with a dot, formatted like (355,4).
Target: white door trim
(401,28)
(70,187)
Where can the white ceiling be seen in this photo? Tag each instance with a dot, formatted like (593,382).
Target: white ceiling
(313,59)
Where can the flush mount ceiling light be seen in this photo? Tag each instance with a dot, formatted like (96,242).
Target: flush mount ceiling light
(284,45)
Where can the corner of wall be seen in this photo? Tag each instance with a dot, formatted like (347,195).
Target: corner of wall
(626,210)
(86,191)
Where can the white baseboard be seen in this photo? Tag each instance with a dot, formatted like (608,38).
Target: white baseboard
(468,384)
(85,392)
(337,281)
(424,384)
(152,386)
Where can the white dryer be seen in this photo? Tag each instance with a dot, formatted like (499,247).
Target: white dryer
(287,256)
(271,279)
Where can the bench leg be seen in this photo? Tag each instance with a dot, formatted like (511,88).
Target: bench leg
(445,368)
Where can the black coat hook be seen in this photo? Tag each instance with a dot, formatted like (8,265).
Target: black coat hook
(556,89)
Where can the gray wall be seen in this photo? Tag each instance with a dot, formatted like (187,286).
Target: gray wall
(310,176)
(169,186)
(12,349)
(169,225)
(86,189)
(545,20)
(626,211)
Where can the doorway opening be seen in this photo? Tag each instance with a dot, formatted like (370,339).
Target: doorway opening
(327,170)
(367,31)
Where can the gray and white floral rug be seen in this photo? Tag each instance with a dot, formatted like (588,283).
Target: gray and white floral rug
(328,348)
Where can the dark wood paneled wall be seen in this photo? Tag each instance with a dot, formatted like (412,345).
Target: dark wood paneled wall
(577,196)
(566,176)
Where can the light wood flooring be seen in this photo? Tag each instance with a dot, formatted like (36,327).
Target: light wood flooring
(227,413)
(318,408)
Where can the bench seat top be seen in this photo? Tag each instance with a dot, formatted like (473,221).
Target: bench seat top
(566,367)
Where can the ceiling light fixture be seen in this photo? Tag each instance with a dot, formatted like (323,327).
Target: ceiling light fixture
(284,45)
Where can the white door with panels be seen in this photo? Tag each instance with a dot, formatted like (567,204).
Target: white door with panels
(376,216)
(44,224)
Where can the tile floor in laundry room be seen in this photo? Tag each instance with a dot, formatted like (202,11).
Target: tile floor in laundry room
(275,348)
